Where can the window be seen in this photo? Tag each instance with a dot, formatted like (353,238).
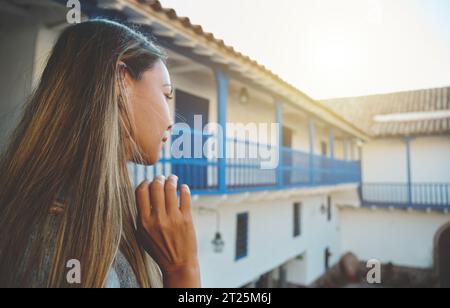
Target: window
(324,148)
(297,219)
(242,236)
(329,209)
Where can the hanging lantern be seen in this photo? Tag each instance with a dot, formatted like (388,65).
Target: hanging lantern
(218,243)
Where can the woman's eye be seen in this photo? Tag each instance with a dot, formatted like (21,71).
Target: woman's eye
(169,97)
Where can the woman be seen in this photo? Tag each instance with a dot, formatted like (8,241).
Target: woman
(65,192)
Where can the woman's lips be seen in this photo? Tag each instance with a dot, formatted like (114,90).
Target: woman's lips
(165,139)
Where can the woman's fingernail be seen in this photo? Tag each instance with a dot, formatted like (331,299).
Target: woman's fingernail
(173,180)
(161,179)
(187,189)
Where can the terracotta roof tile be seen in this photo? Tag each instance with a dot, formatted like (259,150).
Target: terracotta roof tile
(362,110)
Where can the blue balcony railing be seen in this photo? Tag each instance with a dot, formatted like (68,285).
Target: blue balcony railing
(295,169)
(302,169)
(416,196)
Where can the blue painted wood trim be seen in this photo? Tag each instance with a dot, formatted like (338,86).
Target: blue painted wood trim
(312,143)
(408,169)
(222,107)
(279,111)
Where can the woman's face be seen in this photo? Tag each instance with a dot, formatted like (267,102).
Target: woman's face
(149,104)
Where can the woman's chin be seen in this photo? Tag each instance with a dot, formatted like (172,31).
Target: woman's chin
(153,159)
(147,160)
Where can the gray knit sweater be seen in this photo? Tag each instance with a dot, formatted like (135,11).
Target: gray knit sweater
(121,274)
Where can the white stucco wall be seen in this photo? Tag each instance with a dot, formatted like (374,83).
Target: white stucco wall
(430,159)
(301,134)
(401,237)
(384,160)
(271,242)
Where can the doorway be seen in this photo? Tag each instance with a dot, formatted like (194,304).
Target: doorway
(193,170)
(442,256)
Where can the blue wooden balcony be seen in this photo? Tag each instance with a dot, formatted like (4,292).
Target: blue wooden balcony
(296,169)
(434,196)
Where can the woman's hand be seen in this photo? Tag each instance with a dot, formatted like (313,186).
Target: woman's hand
(167,231)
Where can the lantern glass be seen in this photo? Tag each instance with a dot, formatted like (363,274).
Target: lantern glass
(218,243)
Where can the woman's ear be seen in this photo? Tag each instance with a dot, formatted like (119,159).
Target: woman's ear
(122,64)
(123,69)
(126,113)
(125,78)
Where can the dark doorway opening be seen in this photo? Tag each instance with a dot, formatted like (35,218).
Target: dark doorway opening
(442,251)
(192,171)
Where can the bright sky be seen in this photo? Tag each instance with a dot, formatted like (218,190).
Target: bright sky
(336,48)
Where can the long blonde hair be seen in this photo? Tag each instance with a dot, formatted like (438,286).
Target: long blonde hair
(71,139)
